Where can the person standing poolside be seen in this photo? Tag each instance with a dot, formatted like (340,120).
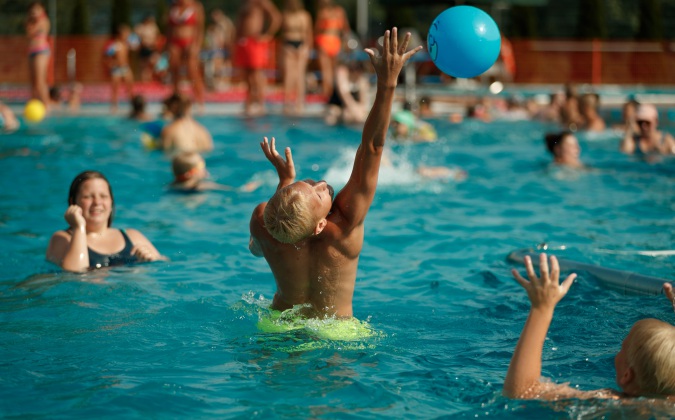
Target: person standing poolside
(331,27)
(117,61)
(219,41)
(90,242)
(148,34)
(37,30)
(252,50)
(312,243)
(645,365)
(185,38)
(296,32)
(648,140)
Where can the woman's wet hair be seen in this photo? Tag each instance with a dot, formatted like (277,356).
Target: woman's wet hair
(554,139)
(77,184)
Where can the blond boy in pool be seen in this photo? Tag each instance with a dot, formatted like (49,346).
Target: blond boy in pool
(645,365)
(310,241)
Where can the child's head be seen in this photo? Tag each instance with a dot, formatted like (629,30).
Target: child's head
(645,365)
(188,168)
(122,31)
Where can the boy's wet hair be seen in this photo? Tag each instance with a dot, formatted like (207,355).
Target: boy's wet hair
(287,216)
(184,162)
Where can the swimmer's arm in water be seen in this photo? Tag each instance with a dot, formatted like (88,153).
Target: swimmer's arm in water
(143,249)
(523,377)
(285,168)
(69,250)
(356,197)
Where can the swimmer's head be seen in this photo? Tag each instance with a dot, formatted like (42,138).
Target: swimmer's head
(564,147)
(589,102)
(647,117)
(183,108)
(403,123)
(188,168)
(55,93)
(645,365)
(171,104)
(137,105)
(80,179)
(298,211)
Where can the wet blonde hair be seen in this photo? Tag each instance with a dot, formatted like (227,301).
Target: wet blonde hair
(651,355)
(184,162)
(288,217)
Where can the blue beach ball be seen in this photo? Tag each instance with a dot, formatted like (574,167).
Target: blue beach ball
(464,41)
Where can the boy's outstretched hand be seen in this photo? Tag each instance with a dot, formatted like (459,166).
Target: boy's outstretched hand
(394,56)
(285,168)
(545,291)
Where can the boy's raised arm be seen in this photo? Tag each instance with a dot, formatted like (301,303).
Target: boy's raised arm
(355,198)
(523,377)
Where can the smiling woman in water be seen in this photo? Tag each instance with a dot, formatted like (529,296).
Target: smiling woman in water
(90,242)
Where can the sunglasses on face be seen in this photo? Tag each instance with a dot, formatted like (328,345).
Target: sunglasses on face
(641,122)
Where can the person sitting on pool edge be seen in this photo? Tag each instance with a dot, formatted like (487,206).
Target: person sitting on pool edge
(645,365)
(565,149)
(310,241)
(90,242)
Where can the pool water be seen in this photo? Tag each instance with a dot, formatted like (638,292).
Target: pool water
(180,338)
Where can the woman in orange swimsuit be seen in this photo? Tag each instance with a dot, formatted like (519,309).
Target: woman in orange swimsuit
(331,27)
(186,34)
(37,30)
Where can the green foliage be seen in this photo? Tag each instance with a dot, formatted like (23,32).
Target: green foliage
(591,21)
(80,24)
(651,20)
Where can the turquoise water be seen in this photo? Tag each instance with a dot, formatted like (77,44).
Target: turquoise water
(179,338)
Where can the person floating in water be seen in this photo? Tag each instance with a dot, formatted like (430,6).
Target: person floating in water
(645,365)
(90,242)
(310,241)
